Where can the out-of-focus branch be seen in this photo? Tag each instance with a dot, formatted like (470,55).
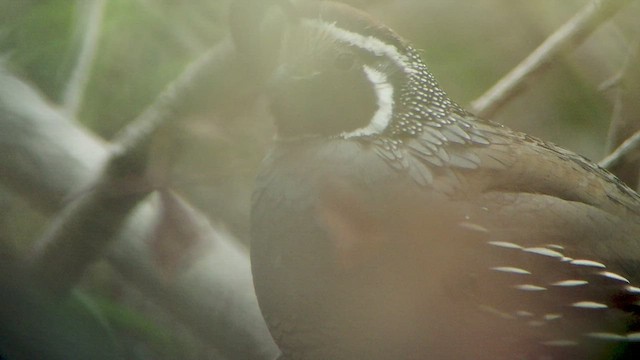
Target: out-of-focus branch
(48,159)
(628,147)
(217,72)
(80,233)
(624,161)
(37,143)
(168,104)
(566,38)
(88,25)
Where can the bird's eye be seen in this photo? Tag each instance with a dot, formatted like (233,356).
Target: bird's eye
(345,61)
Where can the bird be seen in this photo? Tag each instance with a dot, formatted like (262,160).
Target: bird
(387,222)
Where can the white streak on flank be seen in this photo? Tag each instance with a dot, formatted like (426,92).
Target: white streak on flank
(368,43)
(382,117)
(633,289)
(505,244)
(544,252)
(588,263)
(634,336)
(614,276)
(607,336)
(529,287)
(551,317)
(511,270)
(523,313)
(569,283)
(589,305)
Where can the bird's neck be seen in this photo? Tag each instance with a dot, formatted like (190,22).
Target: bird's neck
(420,101)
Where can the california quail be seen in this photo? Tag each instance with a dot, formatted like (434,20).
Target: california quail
(390,223)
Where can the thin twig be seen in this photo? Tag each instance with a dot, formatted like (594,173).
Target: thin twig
(626,148)
(218,72)
(89,24)
(623,160)
(567,37)
(164,107)
(615,80)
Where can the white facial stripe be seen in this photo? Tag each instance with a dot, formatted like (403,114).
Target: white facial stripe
(382,117)
(368,43)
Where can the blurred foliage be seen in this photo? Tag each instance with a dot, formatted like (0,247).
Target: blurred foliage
(37,37)
(144,44)
(36,325)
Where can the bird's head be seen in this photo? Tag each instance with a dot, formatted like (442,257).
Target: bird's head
(343,74)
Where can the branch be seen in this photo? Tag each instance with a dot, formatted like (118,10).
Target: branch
(88,26)
(218,73)
(629,146)
(566,38)
(625,119)
(46,158)
(79,234)
(139,132)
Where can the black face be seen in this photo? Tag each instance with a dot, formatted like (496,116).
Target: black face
(321,87)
